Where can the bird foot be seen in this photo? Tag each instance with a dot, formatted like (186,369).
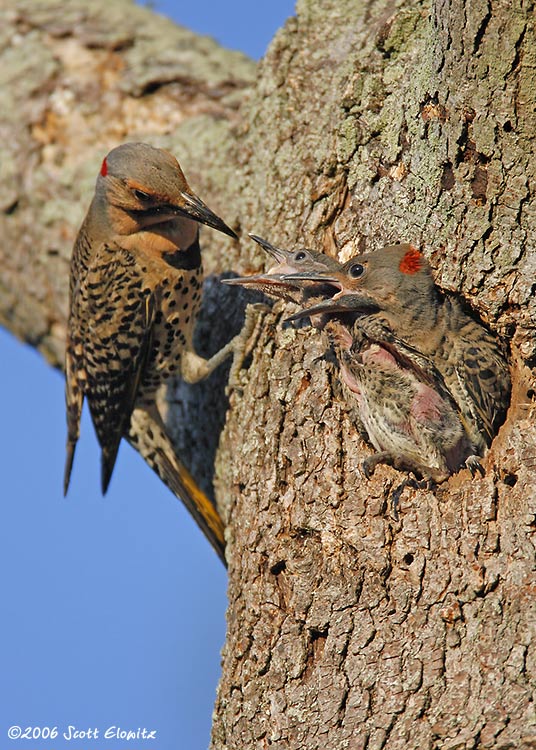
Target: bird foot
(473,464)
(429,474)
(416,484)
(369,464)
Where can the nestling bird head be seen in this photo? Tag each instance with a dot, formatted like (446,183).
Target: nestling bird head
(140,187)
(301,260)
(388,279)
(395,280)
(394,274)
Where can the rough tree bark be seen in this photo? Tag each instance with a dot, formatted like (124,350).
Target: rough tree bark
(368,122)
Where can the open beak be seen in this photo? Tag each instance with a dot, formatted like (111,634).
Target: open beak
(195,209)
(349,303)
(279,255)
(271,284)
(257,280)
(316,277)
(272,278)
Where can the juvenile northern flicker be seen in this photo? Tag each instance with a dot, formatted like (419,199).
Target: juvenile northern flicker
(135,290)
(408,415)
(273,282)
(393,299)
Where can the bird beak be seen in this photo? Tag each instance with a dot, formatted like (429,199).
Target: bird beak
(272,279)
(297,277)
(254,280)
(262,282)
(349,303)
(195,209)
(279,255)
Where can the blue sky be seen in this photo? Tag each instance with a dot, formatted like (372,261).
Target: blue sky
(113,610)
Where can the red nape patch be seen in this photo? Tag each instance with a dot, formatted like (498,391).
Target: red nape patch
(104,168)
(412,261)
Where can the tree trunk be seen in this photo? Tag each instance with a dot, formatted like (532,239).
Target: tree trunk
(369,123)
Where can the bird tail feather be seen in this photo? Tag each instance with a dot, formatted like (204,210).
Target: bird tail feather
(148,436)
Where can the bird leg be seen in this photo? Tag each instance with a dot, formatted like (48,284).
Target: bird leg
(246,339)
(195,368)
(402,464)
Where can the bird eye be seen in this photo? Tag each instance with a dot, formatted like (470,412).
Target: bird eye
(141,196)
(300,255)
(356,270)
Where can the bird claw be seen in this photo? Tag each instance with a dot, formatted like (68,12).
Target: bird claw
(474,466)
(430,475)
(368,466)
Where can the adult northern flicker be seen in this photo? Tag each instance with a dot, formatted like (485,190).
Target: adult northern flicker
(135,290)
(393,299)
